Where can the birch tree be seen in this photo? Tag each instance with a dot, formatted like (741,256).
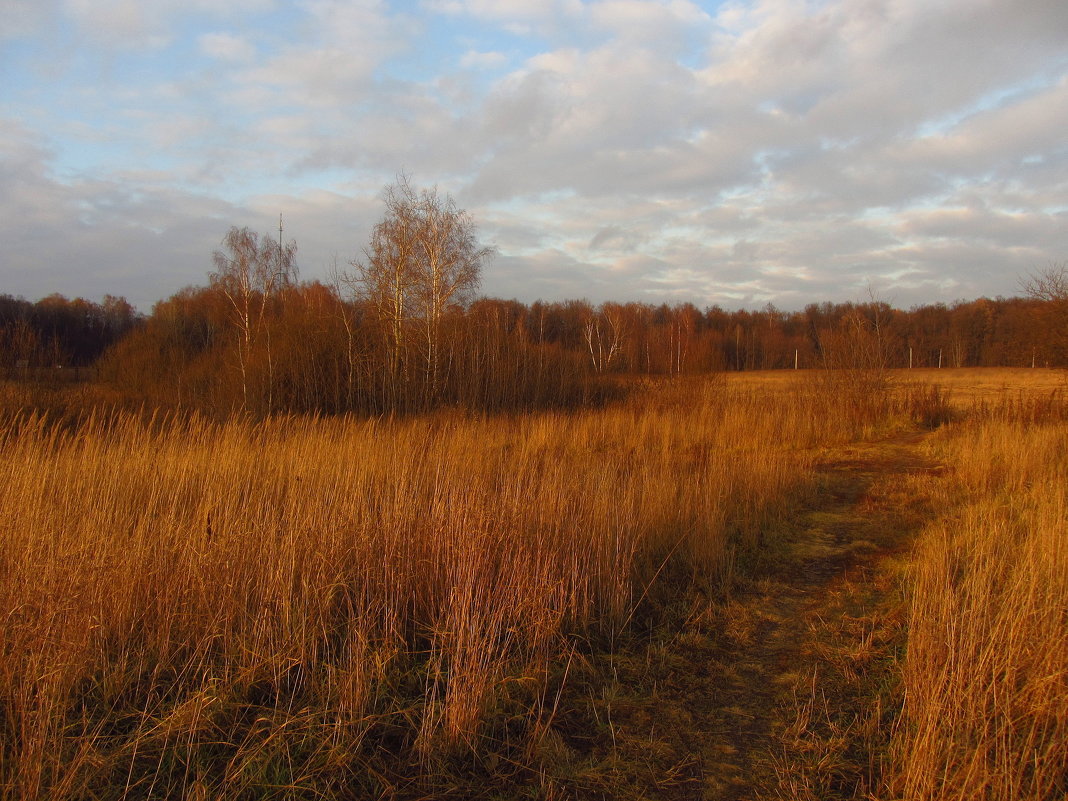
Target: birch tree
(386,279)
(423,259)
(251,271)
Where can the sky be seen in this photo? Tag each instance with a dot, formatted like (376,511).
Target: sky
(716,153)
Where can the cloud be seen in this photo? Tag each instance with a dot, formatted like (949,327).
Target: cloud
(615,238)
(519,17)
(473,59)
(139,236)
(23,19)
(330,69)
(93,237)
(768,150)
(133,24)
(227,47)
(662,25)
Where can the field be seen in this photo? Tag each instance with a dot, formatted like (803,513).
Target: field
(762,585)
(964,387)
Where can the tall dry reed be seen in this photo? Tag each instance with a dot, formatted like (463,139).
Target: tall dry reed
(189,607)
(986,674)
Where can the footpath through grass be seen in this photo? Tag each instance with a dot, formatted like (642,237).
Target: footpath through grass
(786,689)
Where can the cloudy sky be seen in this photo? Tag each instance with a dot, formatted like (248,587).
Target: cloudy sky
(733,153)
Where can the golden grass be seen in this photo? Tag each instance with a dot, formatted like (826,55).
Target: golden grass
(320,606)
(985,678)
(330,608)
(986,675)
(990,386)
(964,386)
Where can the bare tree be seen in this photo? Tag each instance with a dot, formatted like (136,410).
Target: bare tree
(422,260)
(605,332)
(250,271)
(1050,286)
(856,358)
(449,268)
(347,288)
(386,277)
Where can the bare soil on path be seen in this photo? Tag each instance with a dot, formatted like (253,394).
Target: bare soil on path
(786,690)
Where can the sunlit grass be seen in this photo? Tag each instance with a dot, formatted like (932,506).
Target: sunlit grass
(284,603)
(336,607)
(986,676)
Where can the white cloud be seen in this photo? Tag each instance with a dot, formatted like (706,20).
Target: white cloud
(135,24)
(659,24)
(227,47)
(92,237)
(777,150)
(476,60)
(334,62)
(520,17)
(22,18)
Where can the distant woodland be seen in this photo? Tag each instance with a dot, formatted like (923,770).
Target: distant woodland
(404,330)
(310,348)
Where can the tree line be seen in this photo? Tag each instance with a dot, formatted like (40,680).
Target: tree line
(57,332)
(401,329)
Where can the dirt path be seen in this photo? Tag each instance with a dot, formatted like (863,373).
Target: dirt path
(787,690)
(807,694)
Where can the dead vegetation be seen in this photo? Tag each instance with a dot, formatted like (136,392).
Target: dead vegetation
(545,605)
(986,675)
(301,605)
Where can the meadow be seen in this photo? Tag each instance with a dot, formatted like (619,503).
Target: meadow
(986,671)
(341,607)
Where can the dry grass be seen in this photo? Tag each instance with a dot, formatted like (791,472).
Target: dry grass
(965,384)
(985,679)
(989,382)
(968,389)
(337,608)
(986,675)
(315,607)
